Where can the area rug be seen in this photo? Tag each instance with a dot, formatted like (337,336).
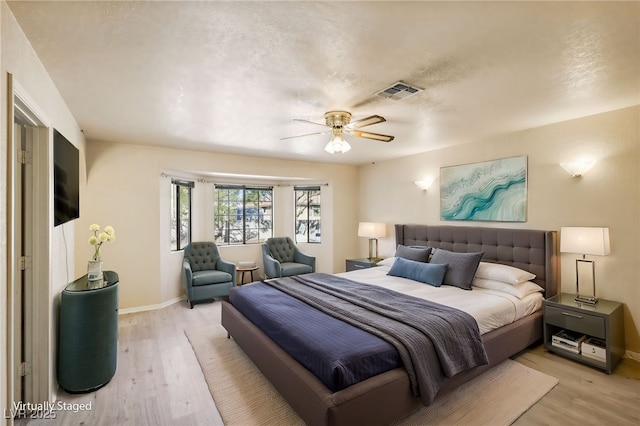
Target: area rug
(244,397)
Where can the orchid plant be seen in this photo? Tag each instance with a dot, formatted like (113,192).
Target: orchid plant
(100,237)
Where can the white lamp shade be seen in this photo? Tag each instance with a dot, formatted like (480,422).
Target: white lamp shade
(372,230)
(585,240)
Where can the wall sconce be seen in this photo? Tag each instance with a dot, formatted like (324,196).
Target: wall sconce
(424,184)
(593,241)
(578,168)
(373,231)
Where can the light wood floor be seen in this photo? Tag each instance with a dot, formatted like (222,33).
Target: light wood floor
(159,382)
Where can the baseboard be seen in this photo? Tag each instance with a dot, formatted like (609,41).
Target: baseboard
(150,307)
(632,355)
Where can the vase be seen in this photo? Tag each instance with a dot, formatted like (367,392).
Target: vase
(94,270)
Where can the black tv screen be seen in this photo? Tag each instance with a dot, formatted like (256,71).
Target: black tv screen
(66,180)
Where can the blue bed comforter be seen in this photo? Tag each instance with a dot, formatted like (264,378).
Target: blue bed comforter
(345,332)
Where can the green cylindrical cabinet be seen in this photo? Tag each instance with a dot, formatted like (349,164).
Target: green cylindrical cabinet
(88,334)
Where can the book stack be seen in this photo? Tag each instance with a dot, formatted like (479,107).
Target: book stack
(595,349)
(568,340)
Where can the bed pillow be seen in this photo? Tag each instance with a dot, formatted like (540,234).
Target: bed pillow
(462,267)
(419,254)
(505,273)
(519,290)
(427,273)
(387,262)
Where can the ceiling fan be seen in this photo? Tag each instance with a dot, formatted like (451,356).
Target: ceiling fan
(339,123)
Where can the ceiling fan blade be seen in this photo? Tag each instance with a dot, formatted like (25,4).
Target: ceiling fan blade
(367,121)
(300,120)
(308,134)
(374,136)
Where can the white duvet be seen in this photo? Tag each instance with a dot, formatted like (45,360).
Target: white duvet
(491,309)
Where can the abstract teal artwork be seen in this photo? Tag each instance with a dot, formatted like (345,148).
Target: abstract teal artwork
(489,191)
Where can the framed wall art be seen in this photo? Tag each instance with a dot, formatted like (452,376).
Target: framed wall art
(489,191)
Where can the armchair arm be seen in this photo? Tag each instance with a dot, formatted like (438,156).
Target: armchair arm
(272,268)
(187,277)
(228,267)
(301,257)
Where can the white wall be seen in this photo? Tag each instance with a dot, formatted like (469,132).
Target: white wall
(19,59)
(608,195)
(126,190)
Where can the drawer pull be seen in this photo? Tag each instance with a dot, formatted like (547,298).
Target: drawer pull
(569,314)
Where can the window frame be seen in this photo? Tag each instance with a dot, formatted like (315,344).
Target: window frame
(308,189)
(244,188)
(189,185)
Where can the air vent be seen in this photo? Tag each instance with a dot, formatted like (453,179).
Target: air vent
(399,91)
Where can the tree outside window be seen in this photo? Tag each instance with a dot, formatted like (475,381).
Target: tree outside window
(243,214)
(307,214)
(180,214)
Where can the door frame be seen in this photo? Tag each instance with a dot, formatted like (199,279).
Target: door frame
(40,343)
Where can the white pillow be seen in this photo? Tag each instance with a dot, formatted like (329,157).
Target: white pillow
(518,290)
(506,274)
(387,262)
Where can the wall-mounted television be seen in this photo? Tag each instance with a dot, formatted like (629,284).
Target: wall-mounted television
(66,180)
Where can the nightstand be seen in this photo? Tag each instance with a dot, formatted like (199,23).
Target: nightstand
(603,320)
(355,264)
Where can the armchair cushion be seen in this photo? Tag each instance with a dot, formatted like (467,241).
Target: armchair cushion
(293,268)
(210,277)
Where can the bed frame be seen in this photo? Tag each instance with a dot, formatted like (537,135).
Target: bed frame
(386,398)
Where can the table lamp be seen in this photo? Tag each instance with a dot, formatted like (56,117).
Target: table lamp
(585,240)
(373,231)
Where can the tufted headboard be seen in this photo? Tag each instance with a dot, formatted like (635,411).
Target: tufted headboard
(532,250)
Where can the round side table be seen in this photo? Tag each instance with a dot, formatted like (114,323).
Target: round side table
(241,271)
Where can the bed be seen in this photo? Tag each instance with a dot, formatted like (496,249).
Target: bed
(387,397)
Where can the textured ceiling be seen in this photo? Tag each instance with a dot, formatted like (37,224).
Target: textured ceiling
(231,76)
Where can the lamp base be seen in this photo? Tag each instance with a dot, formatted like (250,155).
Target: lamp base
(586,299)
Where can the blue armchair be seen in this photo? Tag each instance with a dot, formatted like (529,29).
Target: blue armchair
(205,275)
(282,258)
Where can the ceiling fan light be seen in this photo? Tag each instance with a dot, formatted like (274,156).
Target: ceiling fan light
(330,148)
(337,144)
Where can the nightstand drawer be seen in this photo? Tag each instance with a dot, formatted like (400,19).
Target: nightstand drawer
(576,321)
(355,264)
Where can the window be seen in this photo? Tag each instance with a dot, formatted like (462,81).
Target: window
(243,214)
(180,214)
(307,214)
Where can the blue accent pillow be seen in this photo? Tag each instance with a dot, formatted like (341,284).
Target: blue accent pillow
(428,273)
